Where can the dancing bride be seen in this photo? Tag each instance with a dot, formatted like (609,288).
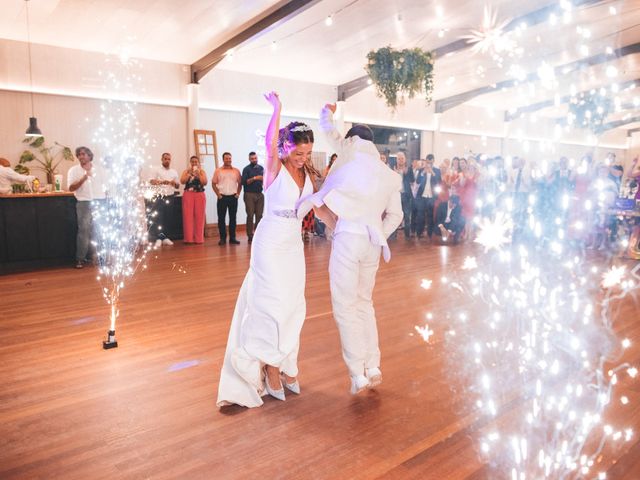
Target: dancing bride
(262,349)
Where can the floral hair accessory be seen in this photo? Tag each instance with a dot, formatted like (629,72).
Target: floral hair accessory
(301,128)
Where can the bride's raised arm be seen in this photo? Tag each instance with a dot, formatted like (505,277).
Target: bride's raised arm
(272,165)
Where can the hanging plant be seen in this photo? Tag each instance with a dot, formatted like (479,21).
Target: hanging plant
(400,73)
(589,110)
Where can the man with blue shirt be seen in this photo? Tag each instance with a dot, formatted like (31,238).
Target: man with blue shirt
(252,177)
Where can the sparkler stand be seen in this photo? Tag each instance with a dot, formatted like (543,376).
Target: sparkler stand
(111,341)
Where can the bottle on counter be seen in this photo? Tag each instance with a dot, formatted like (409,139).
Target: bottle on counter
(36,185)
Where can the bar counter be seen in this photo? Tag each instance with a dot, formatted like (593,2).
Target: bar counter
(37,230)
(37,195)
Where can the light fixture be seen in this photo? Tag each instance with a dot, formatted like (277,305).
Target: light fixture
(33,130)
(328,21)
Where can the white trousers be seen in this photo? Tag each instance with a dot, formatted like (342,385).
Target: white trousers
(352,272)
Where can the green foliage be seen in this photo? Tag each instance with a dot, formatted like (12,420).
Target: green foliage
(22,169)
(49,157)
(590,110)
(399,73)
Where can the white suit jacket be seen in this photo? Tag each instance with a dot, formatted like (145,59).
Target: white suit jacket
(359,187)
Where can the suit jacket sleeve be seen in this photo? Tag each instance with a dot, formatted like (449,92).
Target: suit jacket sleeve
(456,214)
(393,211)
(245,175)
(422,183)
(327,126)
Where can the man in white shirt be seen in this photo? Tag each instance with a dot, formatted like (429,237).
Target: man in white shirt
(80,180)
(364,195)
(428,180)
(166,178)
(227,184)
(167,181)
(8,177)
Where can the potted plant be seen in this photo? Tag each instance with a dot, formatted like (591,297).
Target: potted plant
(23,170)
(396,73)
(49,159)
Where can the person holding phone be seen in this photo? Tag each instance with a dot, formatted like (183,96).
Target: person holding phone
(194,201)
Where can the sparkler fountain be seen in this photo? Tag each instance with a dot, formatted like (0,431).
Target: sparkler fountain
(536,347)
(120,219)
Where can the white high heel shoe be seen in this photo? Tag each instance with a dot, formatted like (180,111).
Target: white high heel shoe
(279,394)
(293,387)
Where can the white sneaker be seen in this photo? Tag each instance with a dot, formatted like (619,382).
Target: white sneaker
(167,242)
(158,244)
(375,377)
(358,384)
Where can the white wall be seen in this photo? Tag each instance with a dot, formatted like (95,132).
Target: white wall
(72,121)
(70,85)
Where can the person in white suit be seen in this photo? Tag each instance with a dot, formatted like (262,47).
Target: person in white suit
(360,200)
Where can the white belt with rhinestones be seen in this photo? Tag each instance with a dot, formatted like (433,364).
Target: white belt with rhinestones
(285,213)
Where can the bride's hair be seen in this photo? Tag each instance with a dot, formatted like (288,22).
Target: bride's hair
(296,133)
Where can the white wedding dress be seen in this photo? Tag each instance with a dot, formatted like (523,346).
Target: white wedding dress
(271,307)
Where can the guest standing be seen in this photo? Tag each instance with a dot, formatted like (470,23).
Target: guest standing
(252,177)
(332,160)
(405,192)
(227,185)
(635,174)
(194,201)
(80,179)
(466,187)
(429,180)
(167,181)
(417,166)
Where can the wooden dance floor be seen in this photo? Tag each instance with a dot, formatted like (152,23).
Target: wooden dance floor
(71,410)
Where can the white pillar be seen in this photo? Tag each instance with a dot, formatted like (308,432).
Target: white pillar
(193,115)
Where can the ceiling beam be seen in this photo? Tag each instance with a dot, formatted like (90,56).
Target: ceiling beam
(632,131)
(535,17)
(447,103)
(269,19)
(550,103)
(563,121)
(618,123)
